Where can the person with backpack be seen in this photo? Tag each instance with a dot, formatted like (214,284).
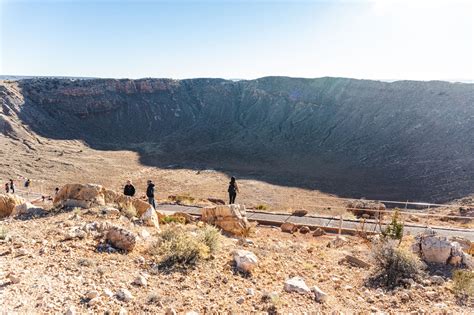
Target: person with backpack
(233,190)
(129,189)
(150,193)
(7,188)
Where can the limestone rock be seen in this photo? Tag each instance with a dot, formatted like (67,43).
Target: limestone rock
(27,209)
(296,284)
(230,218)
(8,203)
(140,281)
(319,295)
(121,238)
(71,311)
(13,278)
(109,211)
(80,195)
(245,260)
(288,227)
(124,295)
(150,218)
(92,294)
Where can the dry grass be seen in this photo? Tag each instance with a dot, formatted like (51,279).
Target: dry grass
(463,282)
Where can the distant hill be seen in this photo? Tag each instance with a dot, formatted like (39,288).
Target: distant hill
(405,139)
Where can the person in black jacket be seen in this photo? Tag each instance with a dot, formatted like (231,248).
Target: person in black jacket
(129,189)
(150,193)
(233,189)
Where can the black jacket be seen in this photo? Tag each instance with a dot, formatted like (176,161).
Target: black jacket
(150,191)
(129,190)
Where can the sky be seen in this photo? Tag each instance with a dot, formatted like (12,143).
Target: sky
(380,39)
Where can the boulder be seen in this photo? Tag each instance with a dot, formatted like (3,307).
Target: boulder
(288,227)
(27,209)
(319,232)
(365,208)
(230,218)
(8,203)
(109,211)
(124,295)
(150,218)
(438,249)
(121,238)
(296,284)
(80,195)
(300,213)
(245,260)
(304,229)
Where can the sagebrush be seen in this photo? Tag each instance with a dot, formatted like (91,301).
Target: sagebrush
(178,245)
(393,264)
(463,282)
(395,229)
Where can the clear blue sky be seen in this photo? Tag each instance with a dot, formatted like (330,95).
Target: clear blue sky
(380,39)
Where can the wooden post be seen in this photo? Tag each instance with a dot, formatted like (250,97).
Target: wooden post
(340,224)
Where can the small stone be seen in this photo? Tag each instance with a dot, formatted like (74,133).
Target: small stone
(404,297)
(296,284)
(21,252)
(288,227)
(245,260)
(170,311)
(250,292)
(94,301)
(319,295)
(123,311)
(140,281)
(319,232)
(140,260)
(270,295)
(71,311)
(124,295)
(304,229)
(14,279)
(92,294)
(108,292)
(240,300)
(300,213)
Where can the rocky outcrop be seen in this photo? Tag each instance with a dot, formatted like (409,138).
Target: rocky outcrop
(121,238)
(150,218)
(8,203)
(366,208)
(230,218)
(439,250)
(27,209)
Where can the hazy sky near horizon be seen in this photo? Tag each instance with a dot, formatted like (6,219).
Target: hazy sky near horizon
(380,39)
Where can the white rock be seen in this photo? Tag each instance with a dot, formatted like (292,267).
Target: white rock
(245,260)
(14,279)
(250,292)
(140,281)
(170,311)
(123,311)
(150,218)
(108,292)
(240,300)
(319,295)
(437,280)
(124,295)
(296,284)
(21,252)
(71,311)
(94,301)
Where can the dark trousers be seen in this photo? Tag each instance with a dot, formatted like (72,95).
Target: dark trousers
(232,196)
(151,201)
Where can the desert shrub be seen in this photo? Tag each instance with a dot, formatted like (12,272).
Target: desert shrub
(261,207)
(393,264)
(395,229)
(3,233)
(210,236)
(463,282)
(179,245)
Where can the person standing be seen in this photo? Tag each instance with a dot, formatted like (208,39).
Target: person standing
(129,189)
(7,188)
(233,190)
(150,193)
(12,186)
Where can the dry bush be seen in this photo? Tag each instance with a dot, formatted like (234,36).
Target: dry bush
(261,207)
(463,282)
(179,245)
(393,264)
(3,233)
(128,210)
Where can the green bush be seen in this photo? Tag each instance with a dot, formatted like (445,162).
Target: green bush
(463,282)
(393,264)
(179,245)
(261,207)
(395,229)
